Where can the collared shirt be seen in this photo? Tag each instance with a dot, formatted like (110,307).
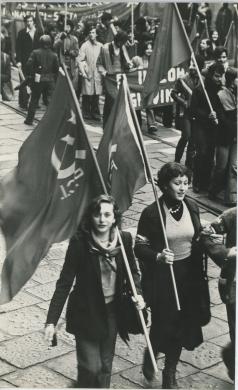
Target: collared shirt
(31,32)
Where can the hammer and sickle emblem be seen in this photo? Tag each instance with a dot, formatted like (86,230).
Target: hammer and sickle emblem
(56,162)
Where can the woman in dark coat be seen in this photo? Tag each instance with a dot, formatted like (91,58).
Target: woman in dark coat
(95,311)
(171,329)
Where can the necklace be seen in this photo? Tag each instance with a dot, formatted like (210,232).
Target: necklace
(175,210)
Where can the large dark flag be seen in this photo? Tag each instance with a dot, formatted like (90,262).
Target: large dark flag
(119,154)
(170,49)
(43,198)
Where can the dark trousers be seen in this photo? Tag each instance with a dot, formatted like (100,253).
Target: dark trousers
(204,139)
(186,139)
(23,96)
(95,357)
(90,105)
(109,101)
(150,117)
(225,172)
(172,354)
(44,87)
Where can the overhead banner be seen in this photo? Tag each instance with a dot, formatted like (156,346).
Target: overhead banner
(136,79)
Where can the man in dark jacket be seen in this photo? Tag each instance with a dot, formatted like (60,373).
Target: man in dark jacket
(205,124)
(42,67)
(27,40)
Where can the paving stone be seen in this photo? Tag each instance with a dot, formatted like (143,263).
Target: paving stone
(3,336)
(30,349)
(183,369)
(134,352)
(65,336)
(118,382)
(21,300)
(120,364)
(5,368)
(221,340)
(213,271)
(45,306)
(203,381)
(219,371)
(126,223)
(66,365)
(215,328)
(38,377)
(135,376)
(5,384)
(214,295)
(29,284)
(43,291)
(145,197)
(219,311)
(47,273)
(56,253)
(138,207)
(22,321)
(206,355)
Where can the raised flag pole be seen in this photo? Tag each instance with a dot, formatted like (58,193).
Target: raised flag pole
(146,159)
(65,16)
(132,23)
(119,236)
(194,60)
(229,31)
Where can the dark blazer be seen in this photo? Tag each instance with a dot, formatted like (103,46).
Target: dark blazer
(25,45)
(86,310)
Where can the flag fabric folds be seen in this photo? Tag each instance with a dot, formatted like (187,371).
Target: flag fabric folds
(170,49)
(43,198)
(119,154)
(39,23)
(231,43)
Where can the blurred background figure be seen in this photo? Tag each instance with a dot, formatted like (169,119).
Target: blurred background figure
(27,40)
(223,21)
(66,44)
(91,78)
(225,170)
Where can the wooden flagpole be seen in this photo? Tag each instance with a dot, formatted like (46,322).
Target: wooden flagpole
(194,59)
(146,159)
(229,31)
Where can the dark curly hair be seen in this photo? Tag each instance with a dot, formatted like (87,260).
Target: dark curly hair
(95,206)
(169,171)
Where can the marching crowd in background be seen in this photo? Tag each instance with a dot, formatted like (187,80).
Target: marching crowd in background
(90,50)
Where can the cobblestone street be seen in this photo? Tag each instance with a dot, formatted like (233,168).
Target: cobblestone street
(25,359)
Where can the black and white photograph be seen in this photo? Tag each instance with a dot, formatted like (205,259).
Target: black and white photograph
(118,195)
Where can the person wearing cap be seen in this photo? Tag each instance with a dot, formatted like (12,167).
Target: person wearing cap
(42,68)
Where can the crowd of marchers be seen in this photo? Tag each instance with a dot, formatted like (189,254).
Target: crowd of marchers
(92,49)
(94,264)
